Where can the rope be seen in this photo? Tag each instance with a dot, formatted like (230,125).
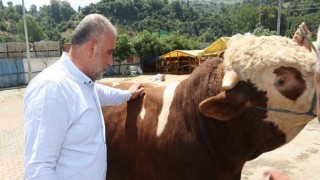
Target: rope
(308,39)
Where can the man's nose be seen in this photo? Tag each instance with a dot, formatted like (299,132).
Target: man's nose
(110,62)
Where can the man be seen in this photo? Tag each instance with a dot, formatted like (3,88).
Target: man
(64,129)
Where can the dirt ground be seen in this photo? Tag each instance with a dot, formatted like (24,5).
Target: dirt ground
(300,159)
(148,79)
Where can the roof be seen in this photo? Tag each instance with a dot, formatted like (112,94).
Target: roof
(213,50)
(182,53)
(216,48)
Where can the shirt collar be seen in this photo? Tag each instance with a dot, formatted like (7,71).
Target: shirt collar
(74,70)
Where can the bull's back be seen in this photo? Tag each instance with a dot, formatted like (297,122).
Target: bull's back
(122,120)
(129,127)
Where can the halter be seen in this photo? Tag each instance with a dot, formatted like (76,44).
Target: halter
(309,113)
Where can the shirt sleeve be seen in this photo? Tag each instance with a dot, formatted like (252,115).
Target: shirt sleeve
(46,124)
(109,96)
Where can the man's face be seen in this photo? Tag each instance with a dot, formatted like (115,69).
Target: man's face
(104,55)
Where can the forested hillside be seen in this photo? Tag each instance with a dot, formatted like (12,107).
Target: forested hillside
(196,21)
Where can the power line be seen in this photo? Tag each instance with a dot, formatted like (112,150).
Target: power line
(303,9)
(306,4)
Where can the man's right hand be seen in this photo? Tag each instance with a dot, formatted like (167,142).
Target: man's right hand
(299,38)
(272,174)
(136,89)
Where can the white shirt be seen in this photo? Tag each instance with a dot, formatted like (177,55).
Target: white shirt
(64,129)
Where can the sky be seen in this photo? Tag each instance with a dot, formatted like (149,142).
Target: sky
(74,3)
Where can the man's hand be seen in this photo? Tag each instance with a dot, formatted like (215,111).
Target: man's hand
(136,89)
(272,174)
(298,37)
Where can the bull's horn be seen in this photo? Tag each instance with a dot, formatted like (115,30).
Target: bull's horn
(230,79)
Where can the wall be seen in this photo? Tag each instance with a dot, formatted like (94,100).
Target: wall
(11,72)
(15,72)
(14,64)
(131,61)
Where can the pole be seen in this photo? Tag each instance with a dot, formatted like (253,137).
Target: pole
(279,17)
(27,42)
(260,15)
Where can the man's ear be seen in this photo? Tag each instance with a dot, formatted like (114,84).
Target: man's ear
(92,47)
(225,105)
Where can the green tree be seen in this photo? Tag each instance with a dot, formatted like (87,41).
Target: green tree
(66,10)
(33,10)
(1,4)
(261,31)
(269,18)
(124,48)
(55,11)
(2,26)
(53,35)
(35,32)
(18,9)
(311,20)
(207,36)
(89,9)
(177,9)
(246,18)
(11,13)
(189,20)
(176,41)
(147,45)
(150,45)
(9,3)
(48,26)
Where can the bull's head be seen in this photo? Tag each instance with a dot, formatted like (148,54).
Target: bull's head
(275,65)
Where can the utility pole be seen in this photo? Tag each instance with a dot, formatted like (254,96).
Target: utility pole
(27,42)
(279,17)
(260,15)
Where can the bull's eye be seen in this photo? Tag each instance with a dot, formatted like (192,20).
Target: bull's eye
(289,82)
(281,81)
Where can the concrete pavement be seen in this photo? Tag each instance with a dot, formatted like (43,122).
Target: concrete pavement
(11,134)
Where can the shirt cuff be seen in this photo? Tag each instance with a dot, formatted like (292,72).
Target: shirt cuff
(127,94)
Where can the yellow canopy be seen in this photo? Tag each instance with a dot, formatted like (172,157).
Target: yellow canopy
(182,53)
(216,48)
(213,50)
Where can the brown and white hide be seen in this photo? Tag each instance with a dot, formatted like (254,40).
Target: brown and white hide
(194,129)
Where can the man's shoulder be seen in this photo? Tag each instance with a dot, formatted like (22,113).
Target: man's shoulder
(53,76)
(55,73)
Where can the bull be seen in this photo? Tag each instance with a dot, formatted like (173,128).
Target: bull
(224,114)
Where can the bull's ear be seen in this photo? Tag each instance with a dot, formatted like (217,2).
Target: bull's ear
(225,105)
